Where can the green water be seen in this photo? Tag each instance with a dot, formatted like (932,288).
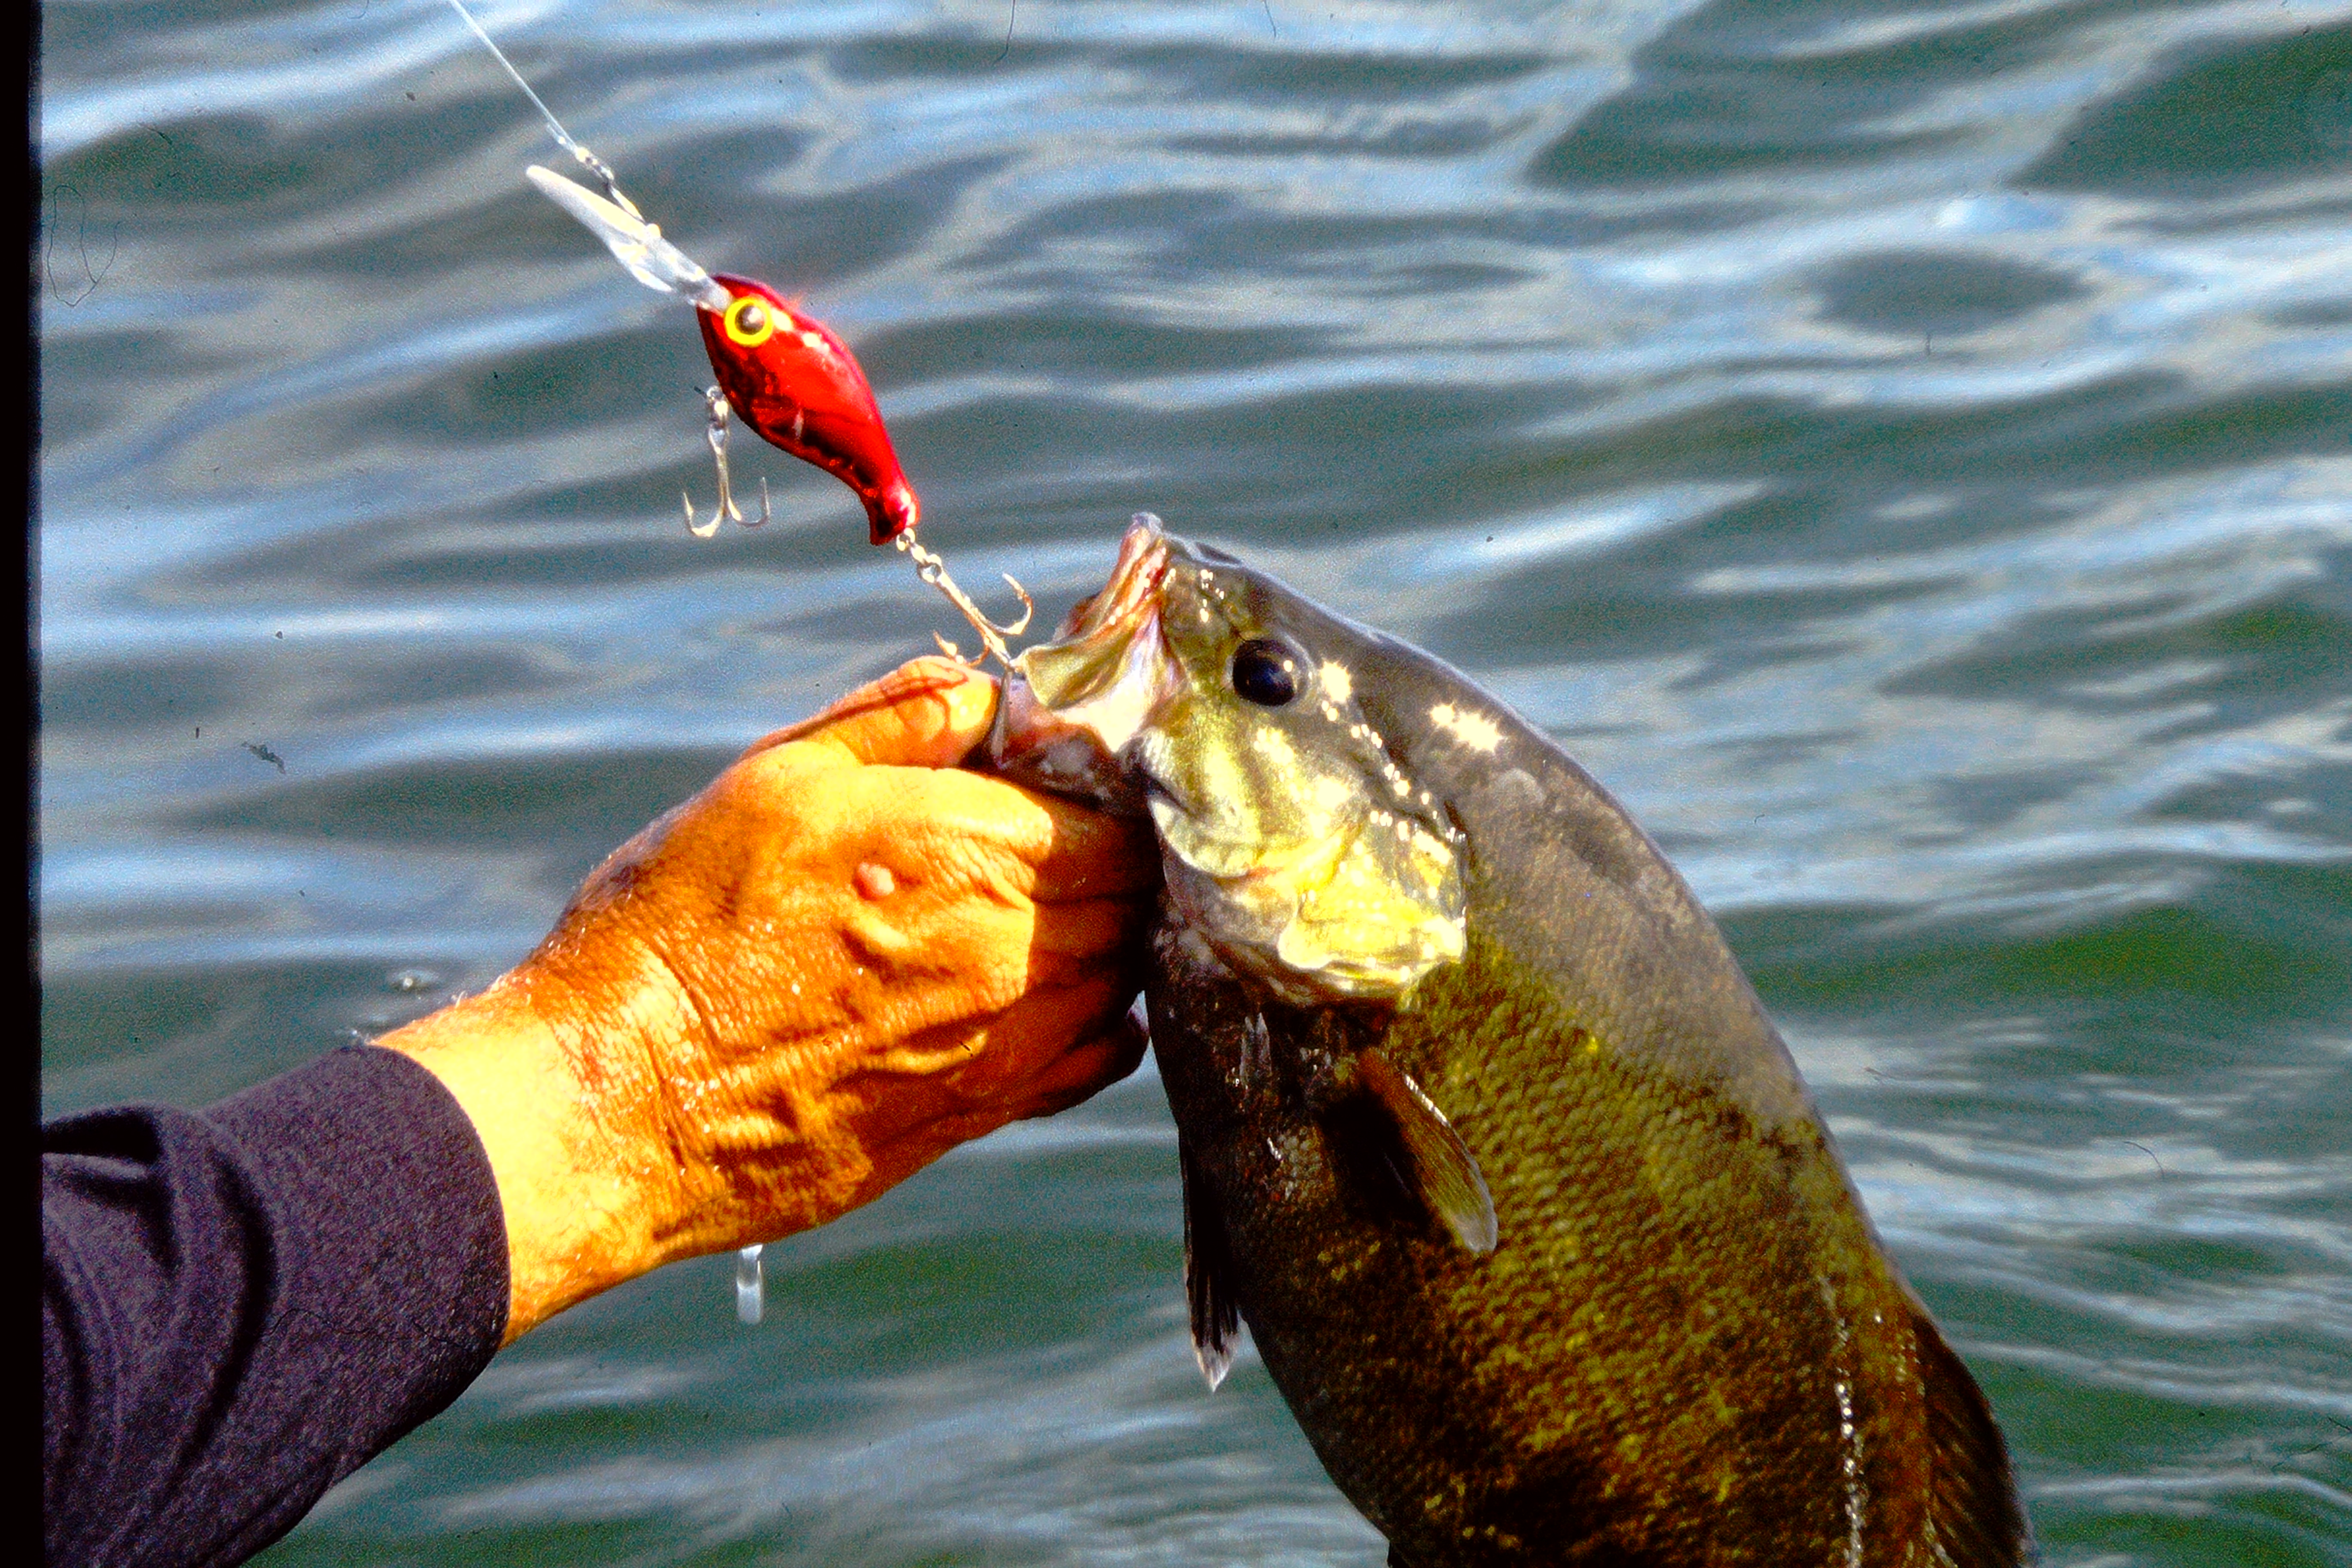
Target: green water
(1904,450)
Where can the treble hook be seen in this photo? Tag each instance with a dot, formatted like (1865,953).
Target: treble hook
(934,572)
(719,414)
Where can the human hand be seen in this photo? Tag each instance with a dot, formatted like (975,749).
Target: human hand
(842,959)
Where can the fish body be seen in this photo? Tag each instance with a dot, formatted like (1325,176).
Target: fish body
(1483,1132)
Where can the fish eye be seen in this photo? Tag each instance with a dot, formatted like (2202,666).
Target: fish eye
(748,321)
(1265,672)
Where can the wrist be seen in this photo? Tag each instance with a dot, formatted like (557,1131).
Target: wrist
(583,1203)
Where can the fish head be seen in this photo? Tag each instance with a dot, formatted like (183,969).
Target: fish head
(1207,696)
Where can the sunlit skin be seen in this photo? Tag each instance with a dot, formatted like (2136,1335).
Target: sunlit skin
(839,961)
(791,379)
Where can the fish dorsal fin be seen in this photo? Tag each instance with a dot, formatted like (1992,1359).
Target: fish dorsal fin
(1972,1497)
(1207,1275)
(1437,1166)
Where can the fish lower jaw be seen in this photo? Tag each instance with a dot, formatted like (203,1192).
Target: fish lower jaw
(1255,931)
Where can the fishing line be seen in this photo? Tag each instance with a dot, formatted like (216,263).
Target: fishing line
(589,161)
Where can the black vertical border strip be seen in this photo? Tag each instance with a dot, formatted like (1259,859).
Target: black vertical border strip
(23,1057)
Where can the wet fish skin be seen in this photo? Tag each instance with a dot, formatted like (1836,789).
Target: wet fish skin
(1687,1345)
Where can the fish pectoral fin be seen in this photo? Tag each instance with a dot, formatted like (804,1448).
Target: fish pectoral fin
(1435,1164)
(1972,1501)
(1207,1275)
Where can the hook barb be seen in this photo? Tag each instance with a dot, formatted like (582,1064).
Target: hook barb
(1028,607)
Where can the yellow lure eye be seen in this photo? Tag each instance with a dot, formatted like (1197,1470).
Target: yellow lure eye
(749,321)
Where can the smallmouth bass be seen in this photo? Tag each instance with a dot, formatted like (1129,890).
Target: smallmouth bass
(1483,1132)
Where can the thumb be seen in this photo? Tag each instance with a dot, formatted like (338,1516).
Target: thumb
(929,712)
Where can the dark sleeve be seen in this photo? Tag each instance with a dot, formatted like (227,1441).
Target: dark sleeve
(243,1305)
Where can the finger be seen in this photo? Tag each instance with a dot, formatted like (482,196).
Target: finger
(964,965)
(1094,855)
(1039,1028)
(1047,1021)
(1089,1068)
(1046,849)
(1087,933)
(990,1032)
(929,712)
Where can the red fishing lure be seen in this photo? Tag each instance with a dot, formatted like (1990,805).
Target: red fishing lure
(787,376)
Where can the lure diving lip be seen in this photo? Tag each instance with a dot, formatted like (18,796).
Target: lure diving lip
(635,243)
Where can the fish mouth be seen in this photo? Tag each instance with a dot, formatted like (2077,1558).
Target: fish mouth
(1072,707)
